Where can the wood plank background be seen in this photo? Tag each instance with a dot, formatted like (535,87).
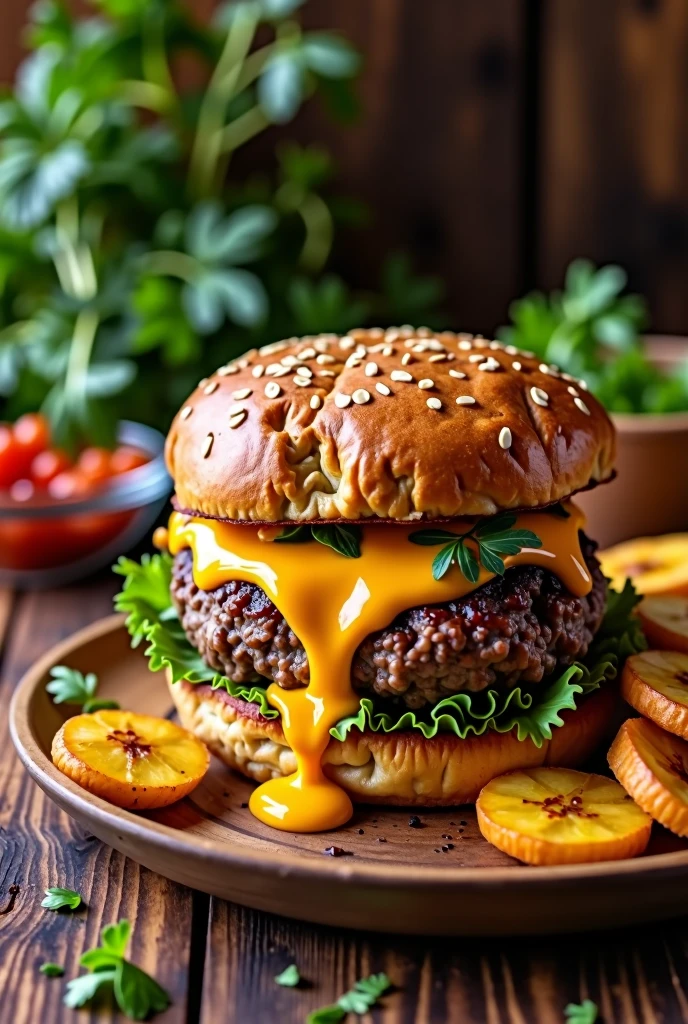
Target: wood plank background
(500,139)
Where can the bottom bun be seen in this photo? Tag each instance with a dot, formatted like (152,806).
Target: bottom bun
(400,768)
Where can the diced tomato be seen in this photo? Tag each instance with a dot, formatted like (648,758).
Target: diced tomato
(125,458)
(22,490)
(47,465)
(32,433)
(10,457)
(68,485)
(94,465)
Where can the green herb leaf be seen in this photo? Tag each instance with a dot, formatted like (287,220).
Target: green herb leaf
(493,537)
(289,977)
(361,998)
(51,970)
(430,537)
(344,539)
(581,1013)
(467,562)
(69,686)
(57,898)
(82,989)
(491,561)
(294,535)
(136,993)
(99,705)
(445,558)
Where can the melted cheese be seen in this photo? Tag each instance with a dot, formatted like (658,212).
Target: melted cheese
(332,603)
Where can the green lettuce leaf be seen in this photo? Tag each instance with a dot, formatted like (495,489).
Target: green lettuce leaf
(151,616)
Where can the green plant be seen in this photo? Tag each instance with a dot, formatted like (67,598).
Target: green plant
(592,330)
(133,258)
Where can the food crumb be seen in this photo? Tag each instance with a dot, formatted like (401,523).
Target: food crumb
(381,839)
(360,831)
(446,836)
(415,822)
(244,805)
(336,851)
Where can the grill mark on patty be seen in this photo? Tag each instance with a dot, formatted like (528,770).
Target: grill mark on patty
(517,629)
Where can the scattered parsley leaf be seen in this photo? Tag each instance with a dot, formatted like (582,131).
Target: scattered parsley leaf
(99,705)
(289,977)
(344,538)
(581,1013)
(57,898)
(491,537)
(361,998)
(136,993)
(69,686)
(51,970)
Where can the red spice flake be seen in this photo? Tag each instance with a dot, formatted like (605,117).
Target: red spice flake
(557,807)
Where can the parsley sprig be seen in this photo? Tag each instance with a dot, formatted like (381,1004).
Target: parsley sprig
(136,993)
(581,1013)
(361,998)
(69,686)
(289,977)
(57,898)
(345,538)
(491,538)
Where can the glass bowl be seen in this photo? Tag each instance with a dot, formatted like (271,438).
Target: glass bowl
(45,543)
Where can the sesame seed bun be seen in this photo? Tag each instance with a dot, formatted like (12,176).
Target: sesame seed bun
(401,768)
(392,425)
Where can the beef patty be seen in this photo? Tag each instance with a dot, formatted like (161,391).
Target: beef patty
(517,629)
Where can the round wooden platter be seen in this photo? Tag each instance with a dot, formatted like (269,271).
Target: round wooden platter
(442,878)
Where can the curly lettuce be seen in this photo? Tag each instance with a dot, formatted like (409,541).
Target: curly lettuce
(151,617)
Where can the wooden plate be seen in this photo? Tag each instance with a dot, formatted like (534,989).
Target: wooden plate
(442,878)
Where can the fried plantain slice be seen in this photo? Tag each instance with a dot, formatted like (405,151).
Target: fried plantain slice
(657,565)
(652,766)
(655,683)
(665,622)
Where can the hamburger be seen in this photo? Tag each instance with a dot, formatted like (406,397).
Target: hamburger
(376,585)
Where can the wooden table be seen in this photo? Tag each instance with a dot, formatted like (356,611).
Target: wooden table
(218,961)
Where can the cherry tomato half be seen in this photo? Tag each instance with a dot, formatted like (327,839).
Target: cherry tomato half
(48,464)
(94,465)
(11,457)
(126,458)
(68,485)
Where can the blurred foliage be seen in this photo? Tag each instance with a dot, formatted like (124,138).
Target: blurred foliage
(131,262)
(592,330)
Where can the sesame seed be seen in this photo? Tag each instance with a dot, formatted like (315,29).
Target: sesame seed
(346,342)
(392,334)
(353,361)
(511,350)
(321,345)
(236,421)
(315,402)
(438,357)
(388,350)
(302,382)
(580,404)
(207,445)
(371,370)
(490,365)
(235,410)
(225,371)
(539,396)
(582,384)
(258,370)
(307,353)
(202,383)
(516,366)
(304,371)
(419,348)
(426,383)
(406,359)
(209,388)
(505,438)
(323,359)
(477,357)
(272,389)
(275,346)
(465,400)
(494,345)
(375,332)
(361,396)
(433,403)
(242,393)
(458,374)
(186,412)
(382,388)
(465,345)
(543,368)
(289,361)
(402,376)
(341,401)
(326,373)
(571,390)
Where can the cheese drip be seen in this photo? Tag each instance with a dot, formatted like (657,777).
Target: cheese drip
(332,603)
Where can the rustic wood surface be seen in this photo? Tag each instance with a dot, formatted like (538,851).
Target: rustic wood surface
(218,961)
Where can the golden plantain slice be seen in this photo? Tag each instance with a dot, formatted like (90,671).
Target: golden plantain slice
(655,683)
(559,816)
(665,622)
(134,761)
(652,766)
(657,565)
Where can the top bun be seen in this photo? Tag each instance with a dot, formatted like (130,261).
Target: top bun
(392,424)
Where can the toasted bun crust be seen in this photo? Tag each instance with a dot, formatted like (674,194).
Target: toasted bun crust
(401,768)
(264,439)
